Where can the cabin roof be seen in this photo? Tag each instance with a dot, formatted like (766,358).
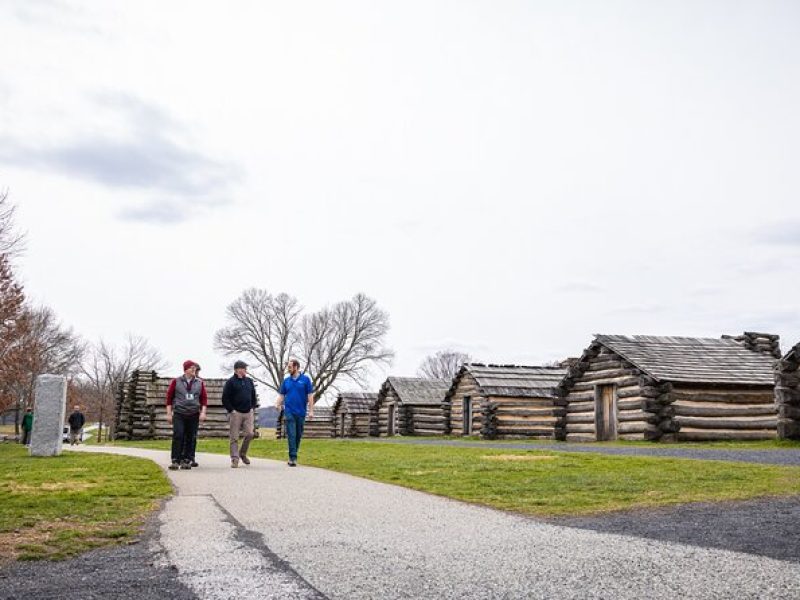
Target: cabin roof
(355,402)
(512,380)
(417,390)
(693,360)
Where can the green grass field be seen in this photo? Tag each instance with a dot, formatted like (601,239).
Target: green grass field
(535,482)
(56,507)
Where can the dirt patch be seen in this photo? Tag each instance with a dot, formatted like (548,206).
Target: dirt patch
(57,486)
(518,457)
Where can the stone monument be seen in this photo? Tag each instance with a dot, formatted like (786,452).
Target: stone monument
(49,409)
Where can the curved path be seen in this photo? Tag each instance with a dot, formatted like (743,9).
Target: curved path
(269,531)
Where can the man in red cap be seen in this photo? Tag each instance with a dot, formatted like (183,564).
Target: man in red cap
(187,402)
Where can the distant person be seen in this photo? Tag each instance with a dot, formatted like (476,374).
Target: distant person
(76,421)
(27,426)
(239,399)
(296,398)
(187,402)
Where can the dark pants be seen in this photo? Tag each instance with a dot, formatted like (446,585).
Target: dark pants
(184,436)
(294,432)
(26,437)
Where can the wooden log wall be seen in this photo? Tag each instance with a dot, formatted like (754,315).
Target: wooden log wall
(520,417)
(143,413)
(787,395)
(422,419)
(320,427)
(379,427)
(724,413)
(353,425)
(638,401)
(454,413)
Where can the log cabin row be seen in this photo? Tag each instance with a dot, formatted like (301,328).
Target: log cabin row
(504,401)
(409,406)
(141,412)
(787,394)
(352,413)
(671,389)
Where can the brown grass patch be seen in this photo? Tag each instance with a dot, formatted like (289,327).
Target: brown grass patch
(48,486)
(518,457)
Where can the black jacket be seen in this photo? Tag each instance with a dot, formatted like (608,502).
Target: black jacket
(76,420)
(239,394)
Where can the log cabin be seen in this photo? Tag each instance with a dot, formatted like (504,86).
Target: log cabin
(671,389)
(787,394)
(320,426)
(352,412)
(409,406)
(504,401)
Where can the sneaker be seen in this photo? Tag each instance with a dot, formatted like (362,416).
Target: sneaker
(194,464)
(234,463)
(244,459)
(174,466)
(292,463)
(186,465)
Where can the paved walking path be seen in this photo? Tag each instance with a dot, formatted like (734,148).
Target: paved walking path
(789,457)
(269,531)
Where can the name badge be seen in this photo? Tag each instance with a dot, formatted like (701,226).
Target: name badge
(190,396)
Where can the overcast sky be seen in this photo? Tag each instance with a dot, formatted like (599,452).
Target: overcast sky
(504,178)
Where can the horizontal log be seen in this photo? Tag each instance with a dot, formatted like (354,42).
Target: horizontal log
(580,437)
(728,422)
(632,427)
(698,435)
(580,428)
(721,409)
(733,396)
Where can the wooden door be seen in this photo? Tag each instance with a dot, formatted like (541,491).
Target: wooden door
(605,412)
(466,414)
(341,425)
(390,428)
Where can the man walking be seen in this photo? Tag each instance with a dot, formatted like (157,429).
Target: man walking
(187,403)
(76,421)
(239,399)
(296,397)
(27,426)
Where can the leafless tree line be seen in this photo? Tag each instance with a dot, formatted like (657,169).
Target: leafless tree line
(33,341)
(337,343)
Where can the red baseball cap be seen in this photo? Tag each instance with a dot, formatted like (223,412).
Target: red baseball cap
(188,363)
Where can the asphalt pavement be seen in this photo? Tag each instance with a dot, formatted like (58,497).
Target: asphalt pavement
(267,531)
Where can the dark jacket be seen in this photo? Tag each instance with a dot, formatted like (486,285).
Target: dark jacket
(76,420)
(239,394)
(27,422)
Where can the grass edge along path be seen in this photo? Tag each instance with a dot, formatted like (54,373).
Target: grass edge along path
(542,483)
(60,506)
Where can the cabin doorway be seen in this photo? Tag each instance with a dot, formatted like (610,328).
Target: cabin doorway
(466,413)
(605,412)
(390,428)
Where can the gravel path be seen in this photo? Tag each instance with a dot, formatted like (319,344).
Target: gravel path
(137,571)
(352,538)
(767,457)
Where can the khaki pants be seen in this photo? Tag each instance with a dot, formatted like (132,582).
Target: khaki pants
(238,422)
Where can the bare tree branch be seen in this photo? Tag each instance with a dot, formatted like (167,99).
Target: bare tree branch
(343,341)
(443,365)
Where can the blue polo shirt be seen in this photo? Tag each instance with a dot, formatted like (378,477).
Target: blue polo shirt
(295,393)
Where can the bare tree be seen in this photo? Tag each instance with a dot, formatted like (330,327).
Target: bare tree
(11,241)
(264,328)
(105,368)
(342,341)
(443,365)
(46,346)
(12,332)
